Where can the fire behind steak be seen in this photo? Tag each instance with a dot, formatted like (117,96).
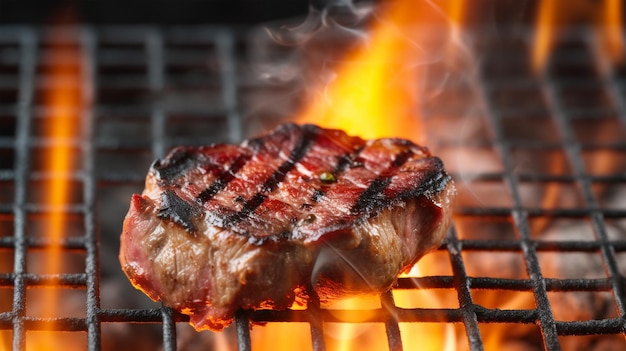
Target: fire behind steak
(299,210)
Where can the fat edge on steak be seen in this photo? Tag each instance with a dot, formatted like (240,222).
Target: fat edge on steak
(300,210)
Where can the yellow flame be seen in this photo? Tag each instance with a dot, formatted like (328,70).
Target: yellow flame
(357,334)
(61,127)
(428,336)
(554,15)
(63,101)
(375,93)
(281,336)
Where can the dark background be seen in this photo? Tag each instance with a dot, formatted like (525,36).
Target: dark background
(156,11)
(483,13)
(245,12)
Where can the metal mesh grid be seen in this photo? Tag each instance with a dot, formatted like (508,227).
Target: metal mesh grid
(153,88)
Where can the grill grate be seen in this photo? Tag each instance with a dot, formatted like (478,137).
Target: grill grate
(152,88)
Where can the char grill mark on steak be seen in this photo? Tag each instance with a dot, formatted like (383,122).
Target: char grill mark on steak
(176,166)
(348,161)
(179,211)
(223,179)
(373,196)
(305,142)
(436,183)
(345,162)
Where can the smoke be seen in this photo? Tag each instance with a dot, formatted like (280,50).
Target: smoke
(294,62)
(339,15)
(290,60)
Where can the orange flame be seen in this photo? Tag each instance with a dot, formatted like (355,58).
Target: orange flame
(613,22)
(63,103)
(6,295)
(61,128)
(545,26)
(355,335)
(456,12)
(440,336)
(376,94)
(554,15)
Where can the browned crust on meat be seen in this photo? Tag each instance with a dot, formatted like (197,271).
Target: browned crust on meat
(264,226)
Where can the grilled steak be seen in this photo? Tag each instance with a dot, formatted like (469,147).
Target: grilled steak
(301,209)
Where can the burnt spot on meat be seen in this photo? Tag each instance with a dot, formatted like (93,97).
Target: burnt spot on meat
(175,165)
(256,144)
(307,139)
(373,198)
(345,161)
(317,195)
(350,160)
(282,236)
(434,182)
(246,210)
(223,179)
(259,144)
(179,211)
(401,159)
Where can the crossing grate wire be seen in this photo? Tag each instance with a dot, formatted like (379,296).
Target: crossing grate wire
(151,88)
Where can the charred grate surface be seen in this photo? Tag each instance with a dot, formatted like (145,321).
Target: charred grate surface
(540,160)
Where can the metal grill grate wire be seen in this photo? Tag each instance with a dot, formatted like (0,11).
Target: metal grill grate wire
(125,51)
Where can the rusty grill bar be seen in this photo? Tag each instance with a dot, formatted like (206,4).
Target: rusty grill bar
(152,88)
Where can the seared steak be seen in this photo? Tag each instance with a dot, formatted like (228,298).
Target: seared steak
(301,209)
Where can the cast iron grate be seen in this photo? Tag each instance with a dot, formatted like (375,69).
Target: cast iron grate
(152,88)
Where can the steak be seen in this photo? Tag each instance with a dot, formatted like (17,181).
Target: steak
(300,210)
